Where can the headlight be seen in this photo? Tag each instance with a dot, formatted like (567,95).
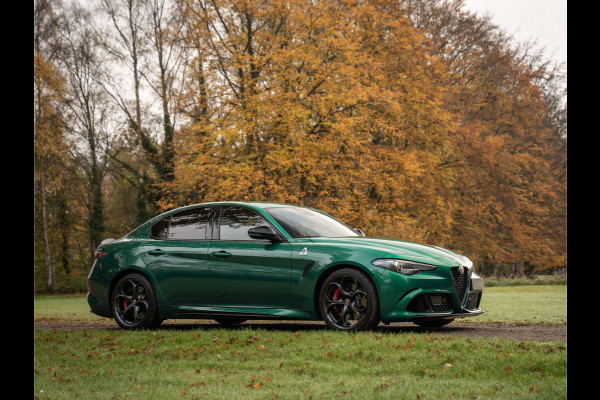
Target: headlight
(402,266)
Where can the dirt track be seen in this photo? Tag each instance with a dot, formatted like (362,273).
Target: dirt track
(510,331)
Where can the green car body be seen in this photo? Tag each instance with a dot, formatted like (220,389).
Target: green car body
(263,279)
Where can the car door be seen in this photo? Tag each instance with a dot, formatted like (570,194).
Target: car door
(177,256)
(247,272)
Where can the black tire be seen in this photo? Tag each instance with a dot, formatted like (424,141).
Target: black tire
(348,301)
(435,323)
(133,303)
(230,320)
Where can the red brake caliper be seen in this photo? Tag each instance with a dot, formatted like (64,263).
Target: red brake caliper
(336,295)
(124,304)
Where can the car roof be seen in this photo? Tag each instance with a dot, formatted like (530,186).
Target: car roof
(256,204)
(259,204)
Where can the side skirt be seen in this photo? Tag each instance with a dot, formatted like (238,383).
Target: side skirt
(193,312)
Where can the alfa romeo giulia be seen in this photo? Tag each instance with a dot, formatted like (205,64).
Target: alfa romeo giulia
(238,261)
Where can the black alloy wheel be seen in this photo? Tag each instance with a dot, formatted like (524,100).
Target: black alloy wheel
(134,303)
(348,301)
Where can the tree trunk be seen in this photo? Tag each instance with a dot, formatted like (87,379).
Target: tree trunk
(49,263)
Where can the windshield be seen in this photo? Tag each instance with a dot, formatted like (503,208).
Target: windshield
(304,223)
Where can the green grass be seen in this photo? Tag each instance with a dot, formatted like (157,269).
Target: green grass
(524,305)
(538,280)
(63,307)
(248,363)
(207,361)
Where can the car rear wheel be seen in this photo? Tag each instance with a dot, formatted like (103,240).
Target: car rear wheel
(348,301)
(133,303)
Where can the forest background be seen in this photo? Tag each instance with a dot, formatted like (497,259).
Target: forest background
(410,119)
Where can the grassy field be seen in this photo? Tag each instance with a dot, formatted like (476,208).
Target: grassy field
(524,305)
(311,364)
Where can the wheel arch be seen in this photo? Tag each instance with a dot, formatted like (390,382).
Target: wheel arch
(330,270)
(130,270)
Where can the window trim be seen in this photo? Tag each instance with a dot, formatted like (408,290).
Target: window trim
(156,223)
(217,237)
(214,222)
(209,223)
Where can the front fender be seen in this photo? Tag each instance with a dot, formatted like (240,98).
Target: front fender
(310,266)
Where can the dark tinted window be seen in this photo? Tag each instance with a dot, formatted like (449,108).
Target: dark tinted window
(235,222)
(189,224)
(159,229)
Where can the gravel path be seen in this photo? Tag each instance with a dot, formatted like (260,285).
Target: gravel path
(510,331)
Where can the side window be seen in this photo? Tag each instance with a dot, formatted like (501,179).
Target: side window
(235,222)
(159,230)
(189,224)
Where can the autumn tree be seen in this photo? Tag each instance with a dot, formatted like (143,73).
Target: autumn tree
(508,99)
(89,118)
(50,179)
(140,35)
(411,119)
(329,104)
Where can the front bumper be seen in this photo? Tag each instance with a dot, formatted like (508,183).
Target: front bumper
(464,314)
(438,295)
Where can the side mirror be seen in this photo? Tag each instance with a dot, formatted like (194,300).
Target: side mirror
(359,231)
(263,232)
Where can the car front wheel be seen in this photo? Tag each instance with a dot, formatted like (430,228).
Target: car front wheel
(348,301)
(133,303)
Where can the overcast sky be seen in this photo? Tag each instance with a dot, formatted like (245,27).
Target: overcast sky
(544,20)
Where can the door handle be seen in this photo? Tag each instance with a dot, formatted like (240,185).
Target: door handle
(157,252)
(220,254)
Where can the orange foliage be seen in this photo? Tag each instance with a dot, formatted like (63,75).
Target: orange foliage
(345,107)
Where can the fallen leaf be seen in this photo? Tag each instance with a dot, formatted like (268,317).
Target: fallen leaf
(258,385)
(447,365)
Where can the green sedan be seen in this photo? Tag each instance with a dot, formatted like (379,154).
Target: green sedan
(238,261)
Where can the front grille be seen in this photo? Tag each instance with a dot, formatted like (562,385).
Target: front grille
(473,300)
(461,282)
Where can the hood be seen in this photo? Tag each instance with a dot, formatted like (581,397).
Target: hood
(400,249)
